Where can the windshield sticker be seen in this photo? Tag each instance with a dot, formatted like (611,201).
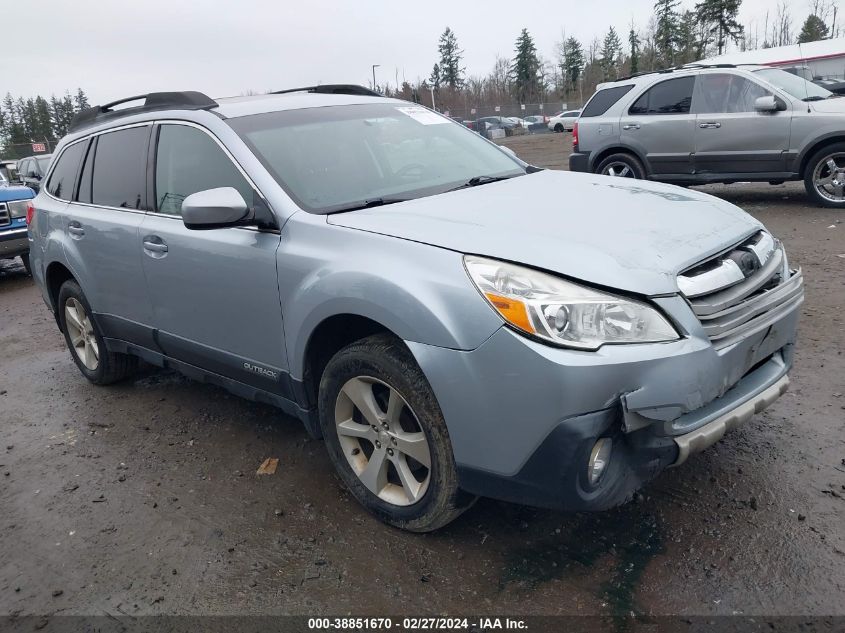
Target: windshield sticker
(422,115)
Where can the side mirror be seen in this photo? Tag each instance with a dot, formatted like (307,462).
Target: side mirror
(214,209)
(767,104)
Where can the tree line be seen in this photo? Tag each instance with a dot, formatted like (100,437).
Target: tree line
(673,36)
(36,120)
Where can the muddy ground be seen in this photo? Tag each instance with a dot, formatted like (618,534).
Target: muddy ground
(141,498)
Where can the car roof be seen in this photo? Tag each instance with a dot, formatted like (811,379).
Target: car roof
(232,107)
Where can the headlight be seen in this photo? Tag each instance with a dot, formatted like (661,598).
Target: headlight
(562,312)
(17,208)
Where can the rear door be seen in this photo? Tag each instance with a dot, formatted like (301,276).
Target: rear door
(215,292)
(660,126)
(101,223)
(731,137)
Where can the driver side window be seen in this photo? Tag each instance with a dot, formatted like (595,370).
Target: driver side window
(188,161)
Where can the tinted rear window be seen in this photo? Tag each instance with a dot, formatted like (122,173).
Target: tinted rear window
(603,99)
(64,175)
(668,97)
(120,168)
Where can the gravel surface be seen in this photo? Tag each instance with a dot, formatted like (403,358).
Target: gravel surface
(142,498)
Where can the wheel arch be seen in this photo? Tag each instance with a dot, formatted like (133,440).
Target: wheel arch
(596,160)
(819,144)
(55,275)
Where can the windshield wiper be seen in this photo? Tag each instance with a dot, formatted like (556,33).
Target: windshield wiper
(365,204)
(482,180)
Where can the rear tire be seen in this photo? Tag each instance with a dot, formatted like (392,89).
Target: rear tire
(85,341)
(621,165)
(559,127)
(826,167)
(377,411)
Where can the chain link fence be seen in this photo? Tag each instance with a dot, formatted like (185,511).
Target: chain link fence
(17,151)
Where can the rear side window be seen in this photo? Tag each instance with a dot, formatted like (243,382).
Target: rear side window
(120,168)
(64,174)
(668,97)
(604,99)
(189,160)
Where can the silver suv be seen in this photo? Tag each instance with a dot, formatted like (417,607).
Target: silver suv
(414,294)
(698,125)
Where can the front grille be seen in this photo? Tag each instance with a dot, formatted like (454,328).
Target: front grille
(742,290)
(5,216)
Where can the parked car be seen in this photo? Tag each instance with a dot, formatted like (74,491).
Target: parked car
(720,124)
(14,204)
(836,86)
(497,122)
(31,170)
(9,171)
(563,121)
(415,294)
(536,122)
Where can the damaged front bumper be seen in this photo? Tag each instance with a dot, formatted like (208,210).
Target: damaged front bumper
(523,417)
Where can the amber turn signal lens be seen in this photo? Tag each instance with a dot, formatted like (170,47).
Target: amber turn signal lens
(512,311)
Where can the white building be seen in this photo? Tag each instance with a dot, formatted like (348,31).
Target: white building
(826,59)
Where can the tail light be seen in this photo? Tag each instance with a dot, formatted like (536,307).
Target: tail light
(30,211)
(575,136)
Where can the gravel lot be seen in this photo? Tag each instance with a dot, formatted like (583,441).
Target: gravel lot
(142,498)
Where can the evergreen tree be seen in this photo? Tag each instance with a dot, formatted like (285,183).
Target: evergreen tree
(814,29)
(43,124)
(666,16)
(610,51)
(689,47)
(80,100)
(451,72)
(525,70)
(634,44)
(435,78)
(572,62)
(721,18)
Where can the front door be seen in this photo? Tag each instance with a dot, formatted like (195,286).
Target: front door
(731,137)
(660,126)
(215,293)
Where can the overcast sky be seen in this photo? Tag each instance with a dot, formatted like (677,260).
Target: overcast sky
(117,48)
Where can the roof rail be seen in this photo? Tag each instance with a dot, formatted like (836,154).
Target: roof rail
(188,100)
(333,89)
(679,68)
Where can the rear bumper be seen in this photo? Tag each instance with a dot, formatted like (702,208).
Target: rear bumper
(13,242)
(579,161)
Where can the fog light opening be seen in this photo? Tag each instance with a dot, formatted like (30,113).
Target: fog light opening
(599,460)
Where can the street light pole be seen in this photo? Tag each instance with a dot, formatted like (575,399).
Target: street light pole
(374,75)
(432,97)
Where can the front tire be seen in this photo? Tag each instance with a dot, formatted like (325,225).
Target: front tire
(386,436)
(621,165)
(559,128)
(85,341)
(824,179)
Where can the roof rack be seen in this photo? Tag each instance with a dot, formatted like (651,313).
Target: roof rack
(188,100)
(333,89)
(679,68)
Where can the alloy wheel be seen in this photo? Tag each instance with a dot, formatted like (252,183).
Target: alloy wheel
(619,170)
(829,177)
(382,440)
(81,334)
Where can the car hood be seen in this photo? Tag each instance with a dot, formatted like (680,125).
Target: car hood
(8,193)
(619,233)
(835,105)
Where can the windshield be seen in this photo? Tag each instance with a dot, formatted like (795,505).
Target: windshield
(792,84)
(334,157)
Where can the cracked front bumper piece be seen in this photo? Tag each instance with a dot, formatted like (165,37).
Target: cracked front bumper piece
(524,417)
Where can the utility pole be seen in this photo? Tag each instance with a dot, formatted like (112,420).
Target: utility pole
(374,75)
(432,97)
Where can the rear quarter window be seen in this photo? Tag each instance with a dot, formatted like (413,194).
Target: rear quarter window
(604,99)
(64,174)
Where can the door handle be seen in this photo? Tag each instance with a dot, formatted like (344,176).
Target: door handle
(154,246)
(75,229)
(631,126)
(711,125)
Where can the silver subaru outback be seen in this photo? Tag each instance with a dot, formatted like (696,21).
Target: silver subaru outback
(699,124)
(436,309)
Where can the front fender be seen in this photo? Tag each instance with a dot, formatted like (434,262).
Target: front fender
(419,292)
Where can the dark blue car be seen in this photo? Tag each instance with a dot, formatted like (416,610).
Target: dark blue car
(14,203)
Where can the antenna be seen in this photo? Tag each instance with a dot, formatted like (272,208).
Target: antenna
(806,87)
